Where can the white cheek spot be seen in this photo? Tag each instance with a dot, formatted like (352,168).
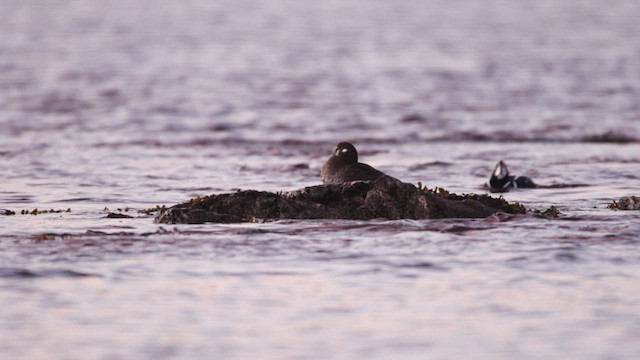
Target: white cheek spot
(345,150)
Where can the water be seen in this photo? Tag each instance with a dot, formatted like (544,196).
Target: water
(125,105)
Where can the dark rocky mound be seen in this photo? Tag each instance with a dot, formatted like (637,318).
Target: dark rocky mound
(626,203)
(384,198)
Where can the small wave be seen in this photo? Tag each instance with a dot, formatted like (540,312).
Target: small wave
(566,257)
(79,199)
(49,273)
(59,103)
(563,186)
(17,198)
(459,229)
(506,136)
(420,265)
(550,186)
(610,137)
(402,264)
(431,164)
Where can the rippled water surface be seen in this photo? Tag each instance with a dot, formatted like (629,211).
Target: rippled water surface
(120,106)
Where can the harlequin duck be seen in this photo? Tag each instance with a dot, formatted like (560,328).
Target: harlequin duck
(343,166)
(500,179)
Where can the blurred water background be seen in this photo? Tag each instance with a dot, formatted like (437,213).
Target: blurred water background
(120,106)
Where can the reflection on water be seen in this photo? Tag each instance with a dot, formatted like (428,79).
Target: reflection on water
(123,106)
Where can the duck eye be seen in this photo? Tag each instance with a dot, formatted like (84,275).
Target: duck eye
(344,150)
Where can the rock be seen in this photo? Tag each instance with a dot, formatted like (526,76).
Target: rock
(628,203)
(118,216)
(550,213)
(384,198)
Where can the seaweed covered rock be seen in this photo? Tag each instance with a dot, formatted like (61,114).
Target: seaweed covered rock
(627,203)
(384,198)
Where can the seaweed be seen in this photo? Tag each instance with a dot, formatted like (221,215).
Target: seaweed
(38,212)
(625,203)
(360,200)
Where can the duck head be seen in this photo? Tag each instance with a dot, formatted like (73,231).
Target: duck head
(346,152)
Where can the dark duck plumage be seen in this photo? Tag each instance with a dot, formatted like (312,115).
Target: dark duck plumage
(343,166)
(500,179)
